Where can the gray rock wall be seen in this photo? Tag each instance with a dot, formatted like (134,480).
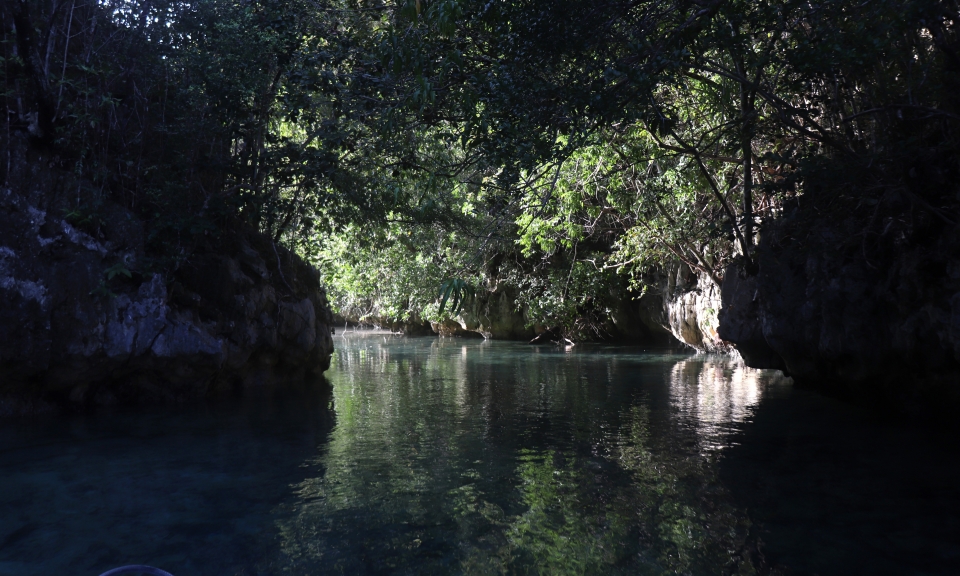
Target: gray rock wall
(495,315)
(851,316)
(686,305)
(81,323)
(680,305)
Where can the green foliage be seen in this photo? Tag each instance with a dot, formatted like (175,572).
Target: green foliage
(118,269)
(103,288)
(562,148)
(459,290)
(195,114)
(624,137)
(86,217)
(578,299)
(373,274)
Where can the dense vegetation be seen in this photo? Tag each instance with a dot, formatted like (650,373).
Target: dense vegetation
(566,149)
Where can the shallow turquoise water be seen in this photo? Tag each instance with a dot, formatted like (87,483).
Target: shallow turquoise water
(436,456)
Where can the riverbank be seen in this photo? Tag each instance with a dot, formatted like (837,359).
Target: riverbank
(91,315)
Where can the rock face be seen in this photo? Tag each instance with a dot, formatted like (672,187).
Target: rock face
(451,327)
(415,326)
(740,322)
(79,324)
(681,306)
(495,315)
(686,305)
(883,316)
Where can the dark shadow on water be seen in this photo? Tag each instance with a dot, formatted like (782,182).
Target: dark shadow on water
(192,489)
(832,488)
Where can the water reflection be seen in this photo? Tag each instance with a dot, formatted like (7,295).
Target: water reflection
(469,457)
(484,458)
(192,489)
(715,396)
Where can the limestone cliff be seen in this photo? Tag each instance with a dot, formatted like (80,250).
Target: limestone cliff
(494,314)
(848,305)
(82,322)
(677,305)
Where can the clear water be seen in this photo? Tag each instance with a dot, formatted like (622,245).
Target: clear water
(450,456)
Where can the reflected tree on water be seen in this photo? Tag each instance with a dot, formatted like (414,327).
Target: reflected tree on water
(457,457)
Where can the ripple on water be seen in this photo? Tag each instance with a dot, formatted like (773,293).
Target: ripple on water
(463,456)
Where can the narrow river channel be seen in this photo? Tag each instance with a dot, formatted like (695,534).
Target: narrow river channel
(459,456)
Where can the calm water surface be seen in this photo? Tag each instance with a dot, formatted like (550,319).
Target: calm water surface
(437,456)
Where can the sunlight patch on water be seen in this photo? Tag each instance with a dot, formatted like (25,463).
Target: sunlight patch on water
(714,396)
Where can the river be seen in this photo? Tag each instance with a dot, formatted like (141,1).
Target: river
(461,456)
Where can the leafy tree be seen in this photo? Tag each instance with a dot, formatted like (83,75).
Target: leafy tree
(629,135)
(545,145)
